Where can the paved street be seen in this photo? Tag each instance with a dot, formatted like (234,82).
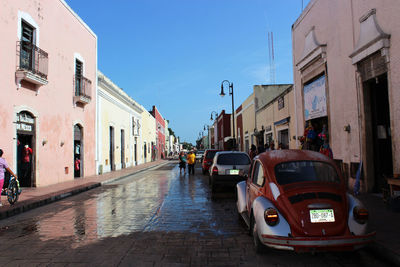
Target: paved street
(153,218)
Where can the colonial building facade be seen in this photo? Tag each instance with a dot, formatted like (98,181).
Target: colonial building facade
(49,96)
(245,121)
(160,133)
(148,136)
(346,75)
(273,114)
(119,127)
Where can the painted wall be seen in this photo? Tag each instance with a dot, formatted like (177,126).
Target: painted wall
(148,134)
(118,110)
(340,33)
(57,29)
(160,130)
(248,117)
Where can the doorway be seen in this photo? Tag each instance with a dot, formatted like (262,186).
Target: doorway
(25,159)
(26,149)
(111,154)
(122,149)
(135,151)
(283,138)
(378,131)
(78,151)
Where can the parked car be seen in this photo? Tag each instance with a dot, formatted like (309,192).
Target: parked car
(208,159)
(297,200)
(228,168)
(199,155)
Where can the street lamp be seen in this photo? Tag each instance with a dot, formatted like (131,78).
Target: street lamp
(216,115)
(222,94)
(208,134)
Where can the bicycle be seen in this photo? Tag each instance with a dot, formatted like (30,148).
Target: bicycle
(12,190)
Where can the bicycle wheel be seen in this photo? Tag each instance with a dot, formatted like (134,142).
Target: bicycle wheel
(12,192)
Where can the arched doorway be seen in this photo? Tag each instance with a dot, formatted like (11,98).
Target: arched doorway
(26,149)
(78,151)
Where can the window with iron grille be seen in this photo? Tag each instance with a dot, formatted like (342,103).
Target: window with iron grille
(78,77)
(27,51)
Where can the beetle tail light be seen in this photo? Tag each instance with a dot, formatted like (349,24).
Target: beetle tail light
(271,216)
(360,214)
(215,170)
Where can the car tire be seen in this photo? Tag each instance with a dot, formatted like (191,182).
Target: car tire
(258,245)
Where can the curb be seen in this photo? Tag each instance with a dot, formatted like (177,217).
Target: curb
(30,204)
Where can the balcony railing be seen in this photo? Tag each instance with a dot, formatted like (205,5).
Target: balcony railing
(32,59)
(82,90)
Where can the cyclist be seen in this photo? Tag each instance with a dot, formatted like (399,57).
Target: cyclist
(3,168)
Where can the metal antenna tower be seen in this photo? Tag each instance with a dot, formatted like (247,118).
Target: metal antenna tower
(271,55)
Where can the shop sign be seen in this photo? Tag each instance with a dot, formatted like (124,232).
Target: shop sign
(25,122)
(315,99)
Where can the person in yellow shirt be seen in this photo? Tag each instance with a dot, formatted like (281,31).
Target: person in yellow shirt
(191,161)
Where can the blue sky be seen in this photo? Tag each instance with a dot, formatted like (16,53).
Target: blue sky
(175,53)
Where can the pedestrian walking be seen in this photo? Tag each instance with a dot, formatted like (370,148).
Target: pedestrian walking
(3,168)
(191,160)
(182,163)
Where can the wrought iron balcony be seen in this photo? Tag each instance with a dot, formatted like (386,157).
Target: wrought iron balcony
(33,64)
(82,89)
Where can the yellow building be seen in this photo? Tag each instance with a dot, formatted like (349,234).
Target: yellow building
(148,136)
(119,127)
(274,115)
(245,124)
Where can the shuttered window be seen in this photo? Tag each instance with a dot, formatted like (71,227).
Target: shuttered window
(78,77)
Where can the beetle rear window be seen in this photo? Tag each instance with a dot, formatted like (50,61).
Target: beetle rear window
(305,171)
(233,159)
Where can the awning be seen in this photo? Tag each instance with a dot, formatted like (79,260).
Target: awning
(283,121)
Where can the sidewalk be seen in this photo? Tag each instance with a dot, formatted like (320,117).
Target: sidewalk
(31,198)
(386,223)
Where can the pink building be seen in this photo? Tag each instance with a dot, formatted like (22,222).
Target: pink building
(160,133)
(48,74)
(346,57)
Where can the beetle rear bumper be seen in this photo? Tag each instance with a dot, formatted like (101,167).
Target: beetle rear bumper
(318,243)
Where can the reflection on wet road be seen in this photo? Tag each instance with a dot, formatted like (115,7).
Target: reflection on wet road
(156,200)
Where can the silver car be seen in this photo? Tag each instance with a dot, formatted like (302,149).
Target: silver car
(228,168)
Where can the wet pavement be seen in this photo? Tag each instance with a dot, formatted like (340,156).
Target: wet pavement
(154,218)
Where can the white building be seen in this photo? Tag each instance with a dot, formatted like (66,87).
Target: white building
(119,127)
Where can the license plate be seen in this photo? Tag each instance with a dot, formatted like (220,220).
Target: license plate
(321,216)
(233,172)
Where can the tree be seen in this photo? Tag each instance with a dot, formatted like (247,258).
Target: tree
(171,132)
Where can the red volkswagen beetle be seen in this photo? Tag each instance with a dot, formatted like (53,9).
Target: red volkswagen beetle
(297,200)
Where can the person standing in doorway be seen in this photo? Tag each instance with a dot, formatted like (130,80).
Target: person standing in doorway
(26,163)
(191,162)
(3,168)
(77,167)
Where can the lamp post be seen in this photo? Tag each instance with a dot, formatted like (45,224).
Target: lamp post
(216,115)
(208,134)
(222,94)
